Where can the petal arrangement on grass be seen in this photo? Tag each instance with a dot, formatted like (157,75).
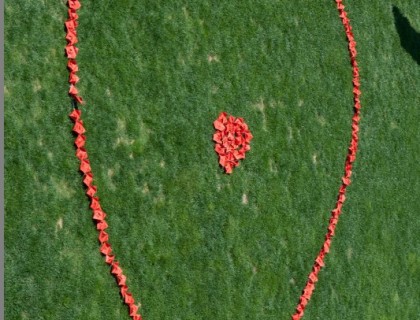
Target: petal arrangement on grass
(232,139)
(351,157)
(81,153)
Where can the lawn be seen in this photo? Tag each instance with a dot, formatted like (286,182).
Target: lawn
(194,242)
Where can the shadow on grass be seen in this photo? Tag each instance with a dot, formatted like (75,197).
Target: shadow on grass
(409,38)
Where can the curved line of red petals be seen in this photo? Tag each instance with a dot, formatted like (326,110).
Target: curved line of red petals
(98,214)
(351,157)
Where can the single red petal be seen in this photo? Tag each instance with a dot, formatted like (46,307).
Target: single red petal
(74,4)
(128,299)
(238,155)
(94,204)
(228,168)
(81,153)
(80,141)
(225,141)
(316,268)
(239,141)
(72,14)
(75,114)
(228,148)
(71,38)
(103,236)
(78,127)
(116,268)
(248,136)
(73,78)
(72,65)
(70,24)
(71,51)
(123,290)
(88,178)
(222,160)
(98,214)
(121,279)
(235,163)
(346,181)
(230,127)
(303,301)
(109,259)
(313,277)
(307,292)
(78,99)
(219,149)
(91,191)
(229,156)
(239,121)
(105,248)
(102,225)
(219,125)
(133,310)
(299,310)
(73,90)
(217,137)
(326,246)
(223,117)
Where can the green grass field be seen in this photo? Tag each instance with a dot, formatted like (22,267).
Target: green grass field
(196,243)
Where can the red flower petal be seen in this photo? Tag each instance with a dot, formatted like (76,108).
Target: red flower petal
(102,225)
(78,127)
(75,114)
(72,65)
(71,24)
(91,191)
(78,99)
(88,179)
(74,4)
(71,37)
(73,78)
(219,149)
(81,153)
(109,259)
(106,248)
(217,137)
(223,117)
(99,215)
(219,125)
(72,14)
(222,161)
(71,51)
(73,90)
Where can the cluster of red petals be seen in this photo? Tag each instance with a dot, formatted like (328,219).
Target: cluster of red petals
(78,128)
(351,157)
(71,50)
(232,139)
